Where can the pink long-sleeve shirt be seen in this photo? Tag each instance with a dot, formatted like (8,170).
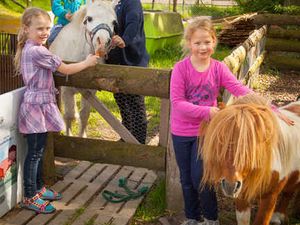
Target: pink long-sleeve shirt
(193,93)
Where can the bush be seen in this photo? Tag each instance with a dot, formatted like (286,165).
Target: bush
(291,10)
(213,11)
(259,5)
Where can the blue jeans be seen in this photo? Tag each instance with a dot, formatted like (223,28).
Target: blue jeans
(53,33)
(197,201)
(33,165)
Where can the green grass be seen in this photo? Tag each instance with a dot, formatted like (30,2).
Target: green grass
(9,5)
(154,205)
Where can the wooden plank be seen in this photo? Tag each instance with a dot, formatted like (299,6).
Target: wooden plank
(92,211)
(121,213)
(49,174)
(130,207)
(124,79)
(278,44)
(281,62)
(174,196)
(164,122)
(278,32)
(276,19)
(109,117)
(120,153)
(25,215)
(87,194)
(82,191)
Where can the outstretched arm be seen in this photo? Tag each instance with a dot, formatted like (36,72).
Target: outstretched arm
(91,60)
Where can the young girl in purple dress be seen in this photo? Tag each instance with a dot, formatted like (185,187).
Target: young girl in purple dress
(38,113)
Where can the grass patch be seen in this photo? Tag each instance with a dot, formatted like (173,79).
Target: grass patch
(154,205)
(214,11)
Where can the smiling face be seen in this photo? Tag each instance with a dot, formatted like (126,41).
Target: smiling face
(39,29)
(201,44)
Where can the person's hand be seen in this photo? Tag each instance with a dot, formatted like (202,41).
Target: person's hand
(68,16)
(286,119)
(213,111)
(91,60)
(118,41)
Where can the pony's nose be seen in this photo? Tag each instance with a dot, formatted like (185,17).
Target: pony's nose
(108,43)
(99,40)
(231,189)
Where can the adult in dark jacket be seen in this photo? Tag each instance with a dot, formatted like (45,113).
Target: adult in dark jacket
(131,51)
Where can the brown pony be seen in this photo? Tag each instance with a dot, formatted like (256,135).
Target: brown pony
(254,155)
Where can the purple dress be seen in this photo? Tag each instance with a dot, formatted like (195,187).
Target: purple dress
(38,111)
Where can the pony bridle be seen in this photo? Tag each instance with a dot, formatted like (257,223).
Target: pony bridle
(92,33)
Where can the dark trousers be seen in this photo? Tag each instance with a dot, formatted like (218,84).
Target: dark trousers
(133,113)
(197,201)
(33,166)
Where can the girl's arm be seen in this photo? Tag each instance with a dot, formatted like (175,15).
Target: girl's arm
(231,83)
(236,88)
(91,60)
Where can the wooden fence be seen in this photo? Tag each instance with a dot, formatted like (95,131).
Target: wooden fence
(283,42)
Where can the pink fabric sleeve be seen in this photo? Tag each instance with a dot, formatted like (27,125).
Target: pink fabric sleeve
(180,105)
(231,83)
(45,59)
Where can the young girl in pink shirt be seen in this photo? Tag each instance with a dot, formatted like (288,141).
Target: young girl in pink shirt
(38,113)
(195,84)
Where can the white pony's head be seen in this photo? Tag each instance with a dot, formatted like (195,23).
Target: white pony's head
(100,23)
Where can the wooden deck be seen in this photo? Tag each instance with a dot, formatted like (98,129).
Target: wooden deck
(82,201)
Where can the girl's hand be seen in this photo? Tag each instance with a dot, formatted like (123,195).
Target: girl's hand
(118,41)
(213,111)
(287,120)
(91,60)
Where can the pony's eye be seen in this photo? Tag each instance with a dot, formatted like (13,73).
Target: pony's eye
(89,19)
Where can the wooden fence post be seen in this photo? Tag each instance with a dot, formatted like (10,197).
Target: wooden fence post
(173,187)
(49,174)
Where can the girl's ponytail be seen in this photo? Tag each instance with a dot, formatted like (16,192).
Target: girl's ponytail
(21,42)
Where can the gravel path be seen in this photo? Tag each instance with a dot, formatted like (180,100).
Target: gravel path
(281,88)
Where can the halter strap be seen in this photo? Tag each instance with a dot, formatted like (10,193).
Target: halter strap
(101,26)
(92,33)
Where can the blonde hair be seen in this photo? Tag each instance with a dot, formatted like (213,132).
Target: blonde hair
(200,22)
(26,20)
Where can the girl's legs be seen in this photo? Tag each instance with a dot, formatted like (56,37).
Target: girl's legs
(196,201)
(208,199)
(189,168)
(33,174)
(33,163)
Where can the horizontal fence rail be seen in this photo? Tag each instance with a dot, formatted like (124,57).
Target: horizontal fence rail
(124,79)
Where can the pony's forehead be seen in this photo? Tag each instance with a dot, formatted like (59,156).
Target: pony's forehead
(100,9)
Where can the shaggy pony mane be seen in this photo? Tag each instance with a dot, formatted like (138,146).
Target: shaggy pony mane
(246,133)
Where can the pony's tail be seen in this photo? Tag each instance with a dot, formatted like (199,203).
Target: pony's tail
(21,42)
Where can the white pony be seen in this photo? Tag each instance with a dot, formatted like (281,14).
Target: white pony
(90,31)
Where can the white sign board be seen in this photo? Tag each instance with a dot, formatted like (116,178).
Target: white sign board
(12,151)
